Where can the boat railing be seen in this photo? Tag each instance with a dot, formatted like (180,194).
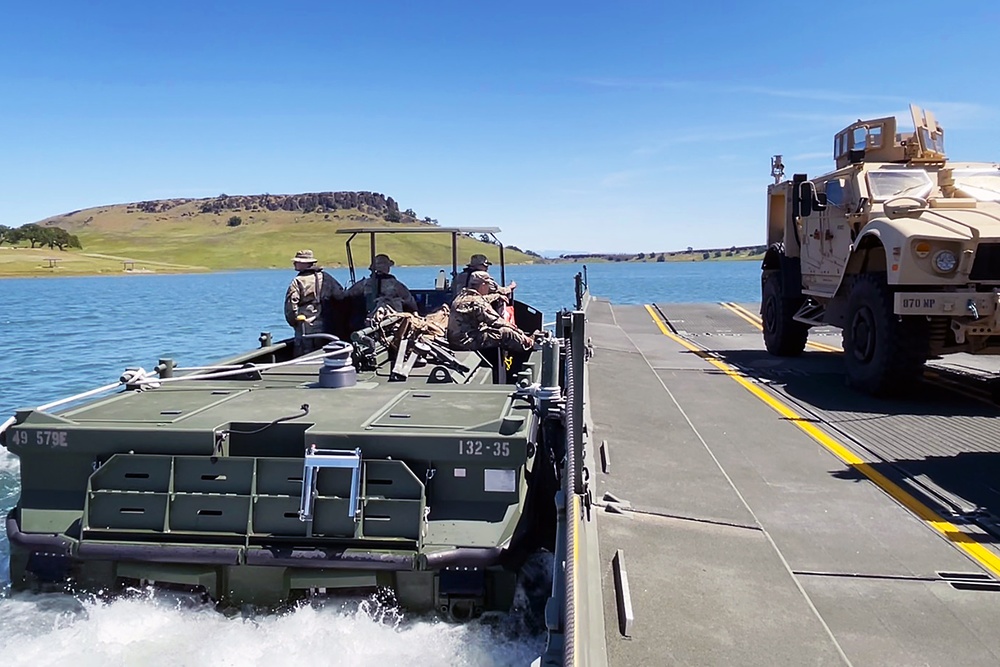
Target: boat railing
(563,646)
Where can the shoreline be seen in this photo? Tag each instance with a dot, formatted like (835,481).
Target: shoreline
(160,269)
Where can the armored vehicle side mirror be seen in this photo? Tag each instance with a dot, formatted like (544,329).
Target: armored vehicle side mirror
(798,180)
(807,193)
(808,200)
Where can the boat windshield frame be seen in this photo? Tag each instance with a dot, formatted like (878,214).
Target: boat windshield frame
(455,232)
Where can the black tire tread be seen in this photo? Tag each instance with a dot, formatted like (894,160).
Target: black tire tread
(904,343)
(788,339)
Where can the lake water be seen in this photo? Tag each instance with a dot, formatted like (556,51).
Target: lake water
(66,335)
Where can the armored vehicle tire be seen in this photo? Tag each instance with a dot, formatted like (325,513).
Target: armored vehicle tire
(783,336)
(884,353)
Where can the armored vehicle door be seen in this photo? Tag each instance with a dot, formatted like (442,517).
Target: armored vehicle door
(826,238)
(817,268)
(826,241)
(812,247)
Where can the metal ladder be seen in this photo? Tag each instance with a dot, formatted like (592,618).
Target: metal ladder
(328,458)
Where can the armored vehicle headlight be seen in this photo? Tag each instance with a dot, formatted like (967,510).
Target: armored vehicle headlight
(945,261)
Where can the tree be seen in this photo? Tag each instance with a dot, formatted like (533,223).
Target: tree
(35,234)
(485,238)
(4,231)
(393,216)
(235,221)
(60,238)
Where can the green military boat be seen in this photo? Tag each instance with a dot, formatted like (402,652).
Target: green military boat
(275,475)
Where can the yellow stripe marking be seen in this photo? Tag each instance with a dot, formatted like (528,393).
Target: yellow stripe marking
(951,532)
(756,321)
(575,515)
(744,313)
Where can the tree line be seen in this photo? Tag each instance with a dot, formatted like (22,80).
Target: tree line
(38,236)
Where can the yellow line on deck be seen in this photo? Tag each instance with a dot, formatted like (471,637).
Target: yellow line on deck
(755,320)
(575,514)
(950,531)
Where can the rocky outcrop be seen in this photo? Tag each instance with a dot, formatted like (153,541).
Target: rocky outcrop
(363,206)
(309,202)
(157,206)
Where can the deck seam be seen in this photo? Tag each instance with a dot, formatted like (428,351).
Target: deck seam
(763,530)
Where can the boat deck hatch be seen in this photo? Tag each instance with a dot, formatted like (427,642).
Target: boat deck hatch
(443,409)
(153,407)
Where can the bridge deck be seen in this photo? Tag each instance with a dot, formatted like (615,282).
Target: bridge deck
(754,542)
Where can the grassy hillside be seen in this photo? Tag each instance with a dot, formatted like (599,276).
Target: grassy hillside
(27,262)
(183,238)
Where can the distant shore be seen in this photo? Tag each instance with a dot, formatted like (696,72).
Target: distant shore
(20,262)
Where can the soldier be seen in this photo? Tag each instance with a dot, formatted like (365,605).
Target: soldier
(479,262)
(310,291)
(475,325)
(383,289)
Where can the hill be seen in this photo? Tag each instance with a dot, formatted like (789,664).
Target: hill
(689,255)
(241,232)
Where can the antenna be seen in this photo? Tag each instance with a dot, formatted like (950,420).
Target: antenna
(777,169)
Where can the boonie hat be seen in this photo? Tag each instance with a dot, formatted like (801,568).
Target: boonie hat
(477,278)
(382,263)
(304,257)
(479,259)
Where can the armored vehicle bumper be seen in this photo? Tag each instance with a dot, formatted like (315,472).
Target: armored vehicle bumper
(973,314)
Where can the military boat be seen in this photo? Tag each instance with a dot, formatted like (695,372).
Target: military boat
(383,460)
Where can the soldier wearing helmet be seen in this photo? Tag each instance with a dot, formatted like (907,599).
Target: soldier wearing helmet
(475,324)
(382,288)
(479,262)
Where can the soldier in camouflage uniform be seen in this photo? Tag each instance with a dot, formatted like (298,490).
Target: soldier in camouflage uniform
(475,325)
(479,262)
(308,294)
(383,289)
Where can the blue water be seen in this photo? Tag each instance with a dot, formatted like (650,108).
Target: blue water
(66,335)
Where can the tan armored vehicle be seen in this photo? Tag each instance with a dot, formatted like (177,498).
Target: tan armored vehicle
(898,246)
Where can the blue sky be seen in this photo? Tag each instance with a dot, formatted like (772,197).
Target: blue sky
(601,126)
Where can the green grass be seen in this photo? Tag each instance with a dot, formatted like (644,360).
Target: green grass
(184,240)
(35,262)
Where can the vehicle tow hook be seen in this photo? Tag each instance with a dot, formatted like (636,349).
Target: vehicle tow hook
(971,307)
